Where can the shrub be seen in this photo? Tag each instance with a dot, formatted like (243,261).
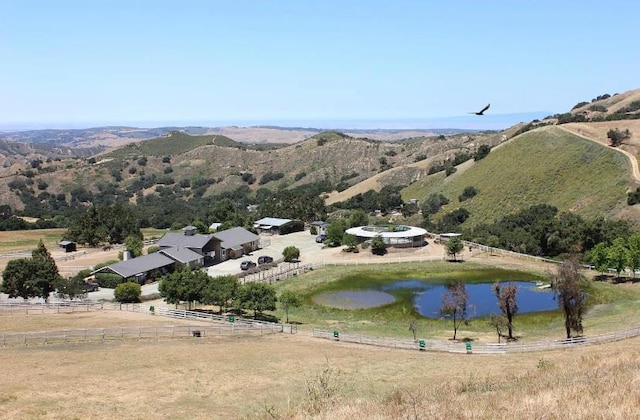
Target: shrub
(166,159)
(449,169)
(616,137)
(142,161)
(270,176)
(294,226)
(467,193)
(291,253)
(313,230)
(579,105)
(299,176)
(248,177)
(108,280)
(152,249)
(482,152)
(167,170)
(633,197)
(419,157)
(128,292)
(378,247)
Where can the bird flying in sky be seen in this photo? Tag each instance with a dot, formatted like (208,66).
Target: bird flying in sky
(481,112)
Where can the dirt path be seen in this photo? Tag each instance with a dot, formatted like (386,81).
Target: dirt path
(632,158)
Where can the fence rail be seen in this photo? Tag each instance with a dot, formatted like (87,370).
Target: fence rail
(25,308)
(203,316)
(478,348)
(106,334)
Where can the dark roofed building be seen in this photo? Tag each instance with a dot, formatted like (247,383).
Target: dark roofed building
(204,245)
(67,245)
(184,256)
(235,242)
(276,225)
(140,267)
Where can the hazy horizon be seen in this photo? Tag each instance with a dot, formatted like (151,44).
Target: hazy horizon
(463,122)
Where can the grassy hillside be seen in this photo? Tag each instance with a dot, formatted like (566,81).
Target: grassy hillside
(547,165)
(172,144)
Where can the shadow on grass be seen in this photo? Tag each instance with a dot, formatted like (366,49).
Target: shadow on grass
(608,278)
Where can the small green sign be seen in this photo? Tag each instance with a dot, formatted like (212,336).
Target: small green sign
(468,345)
(336,334)
(152,309)
(421,343)
(232,318)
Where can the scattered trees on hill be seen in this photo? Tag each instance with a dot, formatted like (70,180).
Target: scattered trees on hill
(301,204)
(539,230)
(99,224)
(433,203)
(482,152)
(507,302)
(469,192)
(616,137)
(569,286)
(455,301)
(451,221)
(386,200)
(633,197)
(270,176)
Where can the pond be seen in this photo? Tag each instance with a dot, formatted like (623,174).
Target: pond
(427,297)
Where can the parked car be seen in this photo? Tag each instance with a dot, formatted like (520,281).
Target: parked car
(265,259)
(320,238)
(246,264)
(90,287)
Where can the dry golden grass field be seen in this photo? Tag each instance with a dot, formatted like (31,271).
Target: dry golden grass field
(297,376)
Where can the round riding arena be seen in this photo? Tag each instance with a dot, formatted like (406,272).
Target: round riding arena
(399,236)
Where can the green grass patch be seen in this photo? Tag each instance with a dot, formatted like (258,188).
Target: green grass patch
(609,303)
(547,165)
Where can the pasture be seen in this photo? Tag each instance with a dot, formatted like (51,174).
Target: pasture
(296,376)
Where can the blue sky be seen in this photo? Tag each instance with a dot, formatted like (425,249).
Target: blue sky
(400,63)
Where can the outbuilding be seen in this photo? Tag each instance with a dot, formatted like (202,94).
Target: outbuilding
(68,246)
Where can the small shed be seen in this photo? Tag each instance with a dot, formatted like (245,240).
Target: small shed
(68,246)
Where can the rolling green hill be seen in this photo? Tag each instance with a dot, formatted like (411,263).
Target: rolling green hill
(546,165)
(173,143)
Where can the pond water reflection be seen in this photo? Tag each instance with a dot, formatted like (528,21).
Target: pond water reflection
(427,297)
(350,299)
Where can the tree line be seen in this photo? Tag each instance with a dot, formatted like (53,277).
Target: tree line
(184,285)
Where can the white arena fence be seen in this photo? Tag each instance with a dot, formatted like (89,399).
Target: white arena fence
(476,348)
